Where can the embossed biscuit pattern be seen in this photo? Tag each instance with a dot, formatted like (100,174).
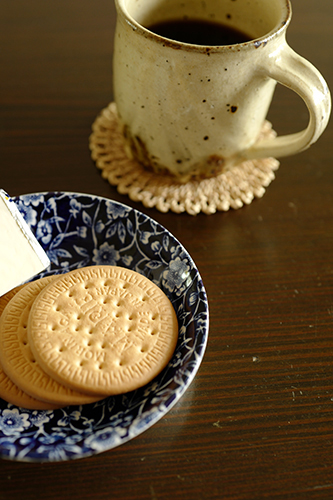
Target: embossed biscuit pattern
(103,330)
(17,358)
(8,390)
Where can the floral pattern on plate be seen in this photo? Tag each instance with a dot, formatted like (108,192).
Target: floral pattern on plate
(79,230)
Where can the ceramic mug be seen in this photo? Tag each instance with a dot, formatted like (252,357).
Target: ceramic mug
(194,110)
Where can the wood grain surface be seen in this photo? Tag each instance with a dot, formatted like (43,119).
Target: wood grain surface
(257,421)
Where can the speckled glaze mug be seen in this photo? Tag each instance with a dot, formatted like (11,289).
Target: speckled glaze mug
(194,110)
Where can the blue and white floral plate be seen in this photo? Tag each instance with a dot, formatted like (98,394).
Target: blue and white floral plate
(79,230)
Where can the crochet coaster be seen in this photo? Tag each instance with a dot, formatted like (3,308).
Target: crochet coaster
(234,188)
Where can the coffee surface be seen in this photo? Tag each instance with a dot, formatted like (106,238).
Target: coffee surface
(199,32)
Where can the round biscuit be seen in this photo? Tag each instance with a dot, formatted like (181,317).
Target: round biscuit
(8,390)
(103,330)
(17,359)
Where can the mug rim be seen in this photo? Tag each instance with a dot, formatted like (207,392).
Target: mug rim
(175,44)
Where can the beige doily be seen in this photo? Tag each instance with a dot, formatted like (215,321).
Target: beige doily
(231,189)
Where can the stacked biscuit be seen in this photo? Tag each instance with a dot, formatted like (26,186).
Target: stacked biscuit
(79,337)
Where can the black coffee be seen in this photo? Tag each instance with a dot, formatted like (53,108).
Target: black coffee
(199,32)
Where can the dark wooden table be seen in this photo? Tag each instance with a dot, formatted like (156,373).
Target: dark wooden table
(257,421)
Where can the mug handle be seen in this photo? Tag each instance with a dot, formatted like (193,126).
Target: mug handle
(298,74)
